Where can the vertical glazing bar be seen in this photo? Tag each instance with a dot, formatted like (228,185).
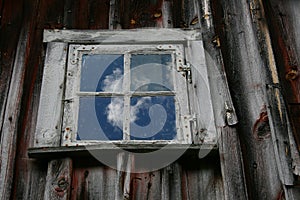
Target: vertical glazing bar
(126,91)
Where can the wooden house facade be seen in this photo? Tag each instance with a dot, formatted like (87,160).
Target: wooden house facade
(252,55)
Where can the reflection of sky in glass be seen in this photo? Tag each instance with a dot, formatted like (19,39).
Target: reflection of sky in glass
(102,73)
(157,125)
(94,119)
(151,72)
(151,118)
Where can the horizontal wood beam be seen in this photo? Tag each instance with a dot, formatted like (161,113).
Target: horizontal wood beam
(83,151)
(121,36)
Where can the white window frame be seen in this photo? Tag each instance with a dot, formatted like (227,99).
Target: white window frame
(53,131)
(73,93)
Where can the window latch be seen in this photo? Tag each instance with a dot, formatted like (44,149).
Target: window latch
(181,65)
(186,69)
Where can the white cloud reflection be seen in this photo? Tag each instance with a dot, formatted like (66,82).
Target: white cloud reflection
(141,76)
(115,110)
(113,82)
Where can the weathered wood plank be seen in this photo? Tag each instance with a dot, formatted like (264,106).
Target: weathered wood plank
(11,20)
(119,37)
(81,151)
(98,14)
(140,14)
(233,181)
(279,123)
(167,15)
(92,181)
(10,121)
(200,95)
(29,176)
(165,190)
(146,185)
(49,14)
(230,155)
(283,32)
(224,110)
(121,173)
(284,28)
(35,182)
(175,181)
(58,180)
(114,15)
(81,14)
(202,179)
(48,128)
(281,140)
(246,70)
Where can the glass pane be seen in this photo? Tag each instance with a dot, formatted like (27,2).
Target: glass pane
(102,73)
(151,72)
(153,118)
(100,118)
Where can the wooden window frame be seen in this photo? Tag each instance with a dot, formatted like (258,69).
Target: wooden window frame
(73,94)
(52,103)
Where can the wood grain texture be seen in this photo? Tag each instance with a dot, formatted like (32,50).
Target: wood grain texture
(48,128)
(247,73)
(238,33)
(11,21)
(232,164)
(58,180)
(92,181)
(202,180)
(281,140)
(283,33)
(10,121)
(234,185)
(120,36)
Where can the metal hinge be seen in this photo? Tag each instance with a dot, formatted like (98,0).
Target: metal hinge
(190,125)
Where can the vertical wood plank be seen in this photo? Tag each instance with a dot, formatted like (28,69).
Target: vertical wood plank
(167,15)
(283,22)
(165,190)
(140,14)
(58,180)
(175,182)
(10,121)
(234,183)
(115,14)
(29,176)
(232,164)
(99,14)
(92,180)
(248,73)
(202,179)
(48,128)
(280,140)
(11,21)
(81,14)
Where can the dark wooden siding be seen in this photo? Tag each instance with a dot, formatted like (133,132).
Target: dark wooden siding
(237,30)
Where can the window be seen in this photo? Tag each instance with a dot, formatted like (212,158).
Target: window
(131,87)
(125,93)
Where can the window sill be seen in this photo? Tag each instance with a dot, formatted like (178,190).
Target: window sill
(88,151)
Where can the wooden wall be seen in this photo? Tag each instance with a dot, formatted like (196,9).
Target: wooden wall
(254,41)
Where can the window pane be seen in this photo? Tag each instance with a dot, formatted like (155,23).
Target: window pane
(100,118)
(153,118)
(102,73)
(151,72)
